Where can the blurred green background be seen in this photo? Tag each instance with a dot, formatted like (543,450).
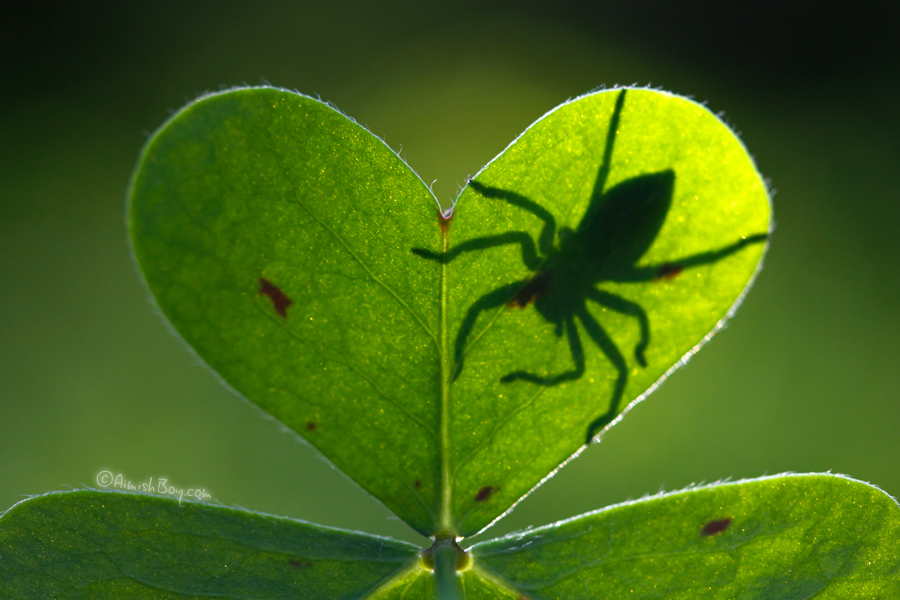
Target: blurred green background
(803,379)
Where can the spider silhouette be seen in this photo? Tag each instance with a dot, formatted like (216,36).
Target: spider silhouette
(617,229)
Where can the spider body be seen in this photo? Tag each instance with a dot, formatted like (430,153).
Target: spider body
(615,232)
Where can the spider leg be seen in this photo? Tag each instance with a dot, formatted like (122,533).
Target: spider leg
(612,130)
(626,307)
(496,298)
(577,357)
(529,252)
(548,232)
(673,268)
(615,357)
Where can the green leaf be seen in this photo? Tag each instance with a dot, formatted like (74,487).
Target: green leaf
(93,544)
(274,233)
(447,366)
(778,538)
(632,220)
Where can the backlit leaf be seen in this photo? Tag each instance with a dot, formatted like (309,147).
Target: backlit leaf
(780,538)
(93,544)
(446,365)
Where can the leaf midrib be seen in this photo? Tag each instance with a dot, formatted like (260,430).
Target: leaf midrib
(445,520)
(447,367)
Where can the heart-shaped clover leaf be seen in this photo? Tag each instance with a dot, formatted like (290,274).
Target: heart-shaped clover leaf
(447,365)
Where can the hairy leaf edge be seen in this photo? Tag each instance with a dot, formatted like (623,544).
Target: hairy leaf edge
(685,490)
(214,506)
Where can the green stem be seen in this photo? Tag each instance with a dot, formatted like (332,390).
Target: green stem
(447,584)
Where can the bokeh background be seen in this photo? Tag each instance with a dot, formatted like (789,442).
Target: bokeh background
(805,378)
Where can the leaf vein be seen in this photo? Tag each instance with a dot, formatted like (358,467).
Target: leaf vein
(355,256)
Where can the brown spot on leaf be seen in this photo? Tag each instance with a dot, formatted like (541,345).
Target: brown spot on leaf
(669,271)
(533,289)
(485,493)
(279,300)
(311,426)
(299,564)
(714,527)
(418,484)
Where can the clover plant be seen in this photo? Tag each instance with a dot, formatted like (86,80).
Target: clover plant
(450,360)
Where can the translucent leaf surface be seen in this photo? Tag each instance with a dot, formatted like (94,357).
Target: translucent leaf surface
(780,538)
(446,365)
(599,249)
(91,544)
(275,235)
